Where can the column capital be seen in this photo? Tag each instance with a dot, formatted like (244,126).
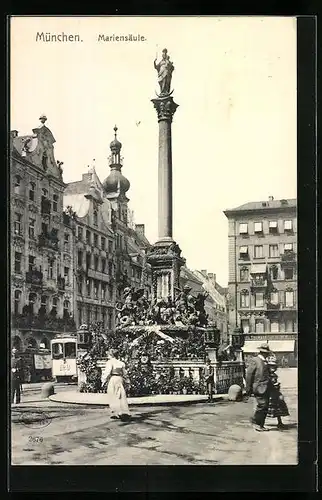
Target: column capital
(165,107)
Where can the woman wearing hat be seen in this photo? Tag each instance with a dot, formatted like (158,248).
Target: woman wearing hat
(277,408)
(258,382)
(115,373)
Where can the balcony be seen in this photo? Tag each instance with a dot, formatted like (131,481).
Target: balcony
(46,240)
(273,307)
(43,322)
(34,277)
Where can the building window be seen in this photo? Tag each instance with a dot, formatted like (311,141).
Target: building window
(103,291)
(274,327)
(44,229)
(273,250)
(110,268)
(88,237)
(110,246)
(288,273)
(244,274)
(17,184)
(258,227)
(80,316)
(243,228)
(66,274)
(66,309)
(95,289)
(103,265)
(32,228)
(259,299)
(244,298)
(258,252)
(50,268)
(88,314)
(103,241)
(66,242)
(31,262)
(274,297)
(272,225)
(259,326)
(289,298)
(95,217)
(110,320)
(18,257)
(17,224)
(31,300)
(245,325)
(43,303)
(79,258)
(288,225)
(17,301)
(243,252)
(104,317)
(88,287)
(32,187)
(55,203)
(55,306)
(44,161)
(88,260)
(96,313)
(95,240)
(80,233)
(95,263)
(288,247)
(80,286)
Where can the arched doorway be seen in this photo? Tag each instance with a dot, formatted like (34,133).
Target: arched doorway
(17,343)
(31,343)
(44,343)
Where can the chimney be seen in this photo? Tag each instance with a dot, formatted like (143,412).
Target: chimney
(140,229)
(271,198)
(210,276)
(204,272)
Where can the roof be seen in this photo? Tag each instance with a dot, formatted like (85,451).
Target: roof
(264,205)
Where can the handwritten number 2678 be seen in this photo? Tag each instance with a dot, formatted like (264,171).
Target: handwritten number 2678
(35,439)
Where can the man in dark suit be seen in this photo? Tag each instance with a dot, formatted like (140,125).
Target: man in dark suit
(258,383)
(209,379)
(16,376)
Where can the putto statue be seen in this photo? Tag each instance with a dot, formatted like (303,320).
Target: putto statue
(164,69)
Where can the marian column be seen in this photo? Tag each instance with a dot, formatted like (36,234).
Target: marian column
(165,257)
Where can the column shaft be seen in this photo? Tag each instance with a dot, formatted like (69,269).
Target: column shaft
(165,180)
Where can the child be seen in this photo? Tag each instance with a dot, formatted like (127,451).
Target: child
(277,408)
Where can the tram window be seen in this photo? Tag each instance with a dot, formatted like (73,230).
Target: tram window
(57,351)
(70,350)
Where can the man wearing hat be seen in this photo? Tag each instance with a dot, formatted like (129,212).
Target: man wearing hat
(16,376)
(258,383)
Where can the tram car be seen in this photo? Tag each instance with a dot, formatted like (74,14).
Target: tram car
(64,358)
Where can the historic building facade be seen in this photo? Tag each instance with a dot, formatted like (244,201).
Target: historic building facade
(41,252)
(110,250)
(262,240)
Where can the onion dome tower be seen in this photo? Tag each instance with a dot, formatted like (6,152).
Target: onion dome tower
(116,185)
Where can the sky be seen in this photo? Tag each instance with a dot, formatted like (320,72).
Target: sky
(233,134)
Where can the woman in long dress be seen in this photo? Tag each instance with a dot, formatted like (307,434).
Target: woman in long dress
(115,373)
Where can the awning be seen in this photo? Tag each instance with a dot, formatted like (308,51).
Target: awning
(273,223)
(258,269)
(251,346)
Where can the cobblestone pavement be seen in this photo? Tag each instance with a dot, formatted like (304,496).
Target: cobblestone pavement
(47,433)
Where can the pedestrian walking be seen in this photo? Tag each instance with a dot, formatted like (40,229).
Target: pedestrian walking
(258,383)
(209,379)
(16,376)
(115,374)
(277,407)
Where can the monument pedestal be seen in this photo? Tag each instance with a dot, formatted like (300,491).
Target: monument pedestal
(165,260)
